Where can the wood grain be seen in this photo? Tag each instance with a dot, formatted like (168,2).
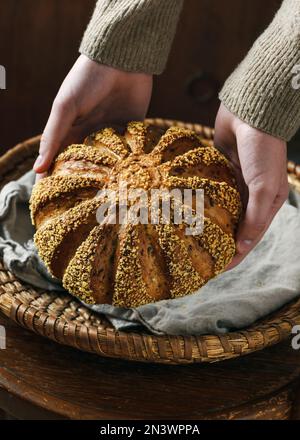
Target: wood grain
(212,38)
(38,45)
(71,384)
(40,39)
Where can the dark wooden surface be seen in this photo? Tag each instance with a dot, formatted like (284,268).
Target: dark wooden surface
(40,39)
(41,379)
(38,45)
(212,37)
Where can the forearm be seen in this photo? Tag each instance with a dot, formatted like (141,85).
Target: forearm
(260,91)
(132,35)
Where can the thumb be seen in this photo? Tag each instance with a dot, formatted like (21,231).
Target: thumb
(58,125)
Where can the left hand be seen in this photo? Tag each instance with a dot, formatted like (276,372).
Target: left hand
(259,160)
(91,97)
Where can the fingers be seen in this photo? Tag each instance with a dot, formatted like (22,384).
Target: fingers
(56,130)
(63,129)
(57,135)
(40,176)
(255,223)
(281,196)
(225,141)
(265,199)
(258,213)
(246,229)
(263,164)
(261,158)
(248,238)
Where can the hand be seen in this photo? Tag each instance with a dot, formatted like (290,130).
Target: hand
(259,160)
(92,96)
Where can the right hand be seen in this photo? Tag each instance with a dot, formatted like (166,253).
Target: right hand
(92,95)
(259,160)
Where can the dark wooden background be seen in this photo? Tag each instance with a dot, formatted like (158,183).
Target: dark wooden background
(39,43)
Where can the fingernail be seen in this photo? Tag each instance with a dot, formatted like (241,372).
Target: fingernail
(247,242)
(38,161)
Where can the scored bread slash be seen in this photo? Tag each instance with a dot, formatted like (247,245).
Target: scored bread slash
(124,264)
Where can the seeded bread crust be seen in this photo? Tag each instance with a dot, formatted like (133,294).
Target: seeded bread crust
(131,265)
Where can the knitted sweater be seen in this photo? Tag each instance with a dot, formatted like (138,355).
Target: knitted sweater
(264,89)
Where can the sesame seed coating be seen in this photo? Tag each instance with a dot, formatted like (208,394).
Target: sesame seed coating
(77,277)
(130,289)
(52,187)
(185,279)
(174,134)
(109,138)
(143,158)
(49,237)
(220,245)
(206,156)
(138,137)
(138,131)
(220,192)
(87,153)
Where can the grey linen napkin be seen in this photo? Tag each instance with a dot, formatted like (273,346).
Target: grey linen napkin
(268,278)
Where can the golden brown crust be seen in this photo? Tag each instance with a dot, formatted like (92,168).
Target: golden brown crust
(52,187)
(108,137)
(221,193)
(89,273)
(81,152)
(201,162)
(184,278)
(130,265)
(130,287)
(153,263)
(58,206)
(51,235)
(176,141)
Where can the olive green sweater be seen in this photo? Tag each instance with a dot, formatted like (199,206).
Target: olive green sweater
(264,89)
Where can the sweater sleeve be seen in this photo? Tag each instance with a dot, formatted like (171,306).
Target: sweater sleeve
(264,89)
(132,35)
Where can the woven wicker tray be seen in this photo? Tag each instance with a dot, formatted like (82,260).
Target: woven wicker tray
(62,318)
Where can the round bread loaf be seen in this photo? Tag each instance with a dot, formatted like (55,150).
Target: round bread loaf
(127,264)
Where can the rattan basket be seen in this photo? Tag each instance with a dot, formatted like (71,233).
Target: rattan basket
(62,318)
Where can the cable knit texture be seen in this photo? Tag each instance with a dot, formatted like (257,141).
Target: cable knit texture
(261,91)
(132,35)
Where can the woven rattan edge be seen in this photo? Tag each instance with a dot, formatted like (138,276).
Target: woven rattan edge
(18,160)
(151,348)
(16,299)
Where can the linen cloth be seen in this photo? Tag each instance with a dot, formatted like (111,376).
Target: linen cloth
(268,277)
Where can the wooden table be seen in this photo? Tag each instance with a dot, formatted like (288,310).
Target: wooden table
(40,379)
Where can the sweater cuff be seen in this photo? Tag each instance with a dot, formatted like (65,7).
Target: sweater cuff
(264,90)
(132,35)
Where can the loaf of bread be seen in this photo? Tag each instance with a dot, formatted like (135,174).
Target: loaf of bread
(127,264)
